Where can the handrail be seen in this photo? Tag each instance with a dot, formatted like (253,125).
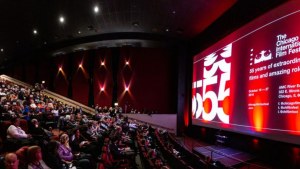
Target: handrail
(52,94)
(16,81)
(69,101)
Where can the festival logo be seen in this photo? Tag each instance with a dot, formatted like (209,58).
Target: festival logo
(212,93)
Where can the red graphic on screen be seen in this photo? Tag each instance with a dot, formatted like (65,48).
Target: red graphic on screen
(211,97)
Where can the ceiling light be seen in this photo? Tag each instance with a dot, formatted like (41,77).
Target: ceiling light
(79,32)
(1,49)
(96,9)
(173,12)
(167,29)
(61,19)
(35,31)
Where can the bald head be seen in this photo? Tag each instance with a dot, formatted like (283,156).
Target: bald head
(11,161)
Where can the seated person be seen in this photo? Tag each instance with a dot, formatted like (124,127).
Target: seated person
(17,135)
(119,150)
(35,159)
(94,130)
(69,122)
(158,163)
(11,161)
(52,158)
(114,149)
(84,120)
(65,153)
(80,144)
(37,131)
(14,131)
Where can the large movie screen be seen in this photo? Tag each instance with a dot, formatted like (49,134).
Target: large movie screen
(249,82)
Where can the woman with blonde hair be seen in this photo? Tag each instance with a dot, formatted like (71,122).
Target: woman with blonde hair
(65,153)
(64,150)
(35,158)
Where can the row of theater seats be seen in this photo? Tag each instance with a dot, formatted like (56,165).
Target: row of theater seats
(169,150)
(172,154)
(150,154)
(191,158)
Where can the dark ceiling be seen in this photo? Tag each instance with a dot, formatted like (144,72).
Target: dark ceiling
(117,23)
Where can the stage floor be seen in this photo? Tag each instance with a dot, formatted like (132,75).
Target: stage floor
(227,156)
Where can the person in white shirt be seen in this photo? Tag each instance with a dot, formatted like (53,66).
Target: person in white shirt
(15,132)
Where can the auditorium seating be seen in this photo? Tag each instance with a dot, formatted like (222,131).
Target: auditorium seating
(152,145)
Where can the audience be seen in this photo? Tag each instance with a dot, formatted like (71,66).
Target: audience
(108,136)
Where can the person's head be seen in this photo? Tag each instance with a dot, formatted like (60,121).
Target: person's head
(15,121)
(104,149)
(158,163)
(64,138)
(77,133)
(11,161)
(119,129)
(34,154)
(35,122)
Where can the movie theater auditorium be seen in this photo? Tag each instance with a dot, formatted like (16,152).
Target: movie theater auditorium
(150,84)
